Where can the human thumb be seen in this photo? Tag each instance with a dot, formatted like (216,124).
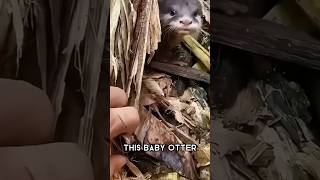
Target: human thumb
(116,163)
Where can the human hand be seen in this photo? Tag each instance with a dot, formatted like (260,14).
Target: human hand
(123,120)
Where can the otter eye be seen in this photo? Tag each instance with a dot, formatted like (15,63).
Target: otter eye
(173,12)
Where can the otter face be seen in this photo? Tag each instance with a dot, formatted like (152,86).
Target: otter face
(180,16)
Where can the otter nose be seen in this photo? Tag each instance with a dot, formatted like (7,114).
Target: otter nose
(186,22)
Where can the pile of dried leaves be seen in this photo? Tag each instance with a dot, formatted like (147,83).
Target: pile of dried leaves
(168,116)
(264,135)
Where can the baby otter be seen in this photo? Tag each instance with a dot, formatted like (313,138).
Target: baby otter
(179,18)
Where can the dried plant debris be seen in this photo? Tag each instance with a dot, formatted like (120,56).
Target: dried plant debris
(206,9)
(198,50)
(171,119)
(265,135)
(247,109)
(170,114)
(135,32)
(153,131)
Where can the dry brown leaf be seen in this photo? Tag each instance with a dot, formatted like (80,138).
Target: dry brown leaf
(135,170)
(197,109)
(184,137)
(171,176)
(158,133)
(281,164)
(205,173)
(164,81)
(176,107)
(155,28)
(153,131)
(203,155)
(147,98)
(153,87)
(246,108)
(307,163)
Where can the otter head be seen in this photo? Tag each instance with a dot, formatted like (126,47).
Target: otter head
(182,17)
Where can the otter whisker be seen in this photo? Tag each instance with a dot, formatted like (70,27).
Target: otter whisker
(167,31)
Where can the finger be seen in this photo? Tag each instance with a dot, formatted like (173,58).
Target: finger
(116,163)
(123,120)
(118,97)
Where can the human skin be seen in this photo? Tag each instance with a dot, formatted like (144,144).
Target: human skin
(28,150)
(123,120)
